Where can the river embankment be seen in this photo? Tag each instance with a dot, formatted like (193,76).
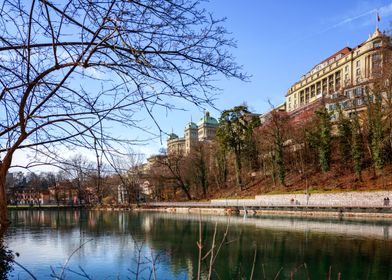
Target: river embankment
(370,204)
(373,204)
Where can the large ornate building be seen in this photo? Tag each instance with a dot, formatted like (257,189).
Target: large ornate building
(339,78)
(205,130)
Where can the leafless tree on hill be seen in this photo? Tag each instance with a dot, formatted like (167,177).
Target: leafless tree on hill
(71,70)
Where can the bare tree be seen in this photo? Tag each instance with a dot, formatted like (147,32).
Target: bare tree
(77,169)
(128,169)
(175,172)
(71,70)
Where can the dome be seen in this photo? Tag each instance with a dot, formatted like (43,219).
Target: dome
(191,125)
(172,136)
(206,119)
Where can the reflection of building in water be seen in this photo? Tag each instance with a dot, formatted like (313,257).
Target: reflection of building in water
(123,221)
(386,232)
(189,266)
(148,223)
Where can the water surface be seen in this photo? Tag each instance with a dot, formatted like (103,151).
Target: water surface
(123,245)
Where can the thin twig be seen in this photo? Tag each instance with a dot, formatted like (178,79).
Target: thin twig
(254,263)
(69,258)
(200,247)
(307,272)
(277,275)
(25,269)
(212,252)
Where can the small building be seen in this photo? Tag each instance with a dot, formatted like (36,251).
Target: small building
(30,196)
(64,193)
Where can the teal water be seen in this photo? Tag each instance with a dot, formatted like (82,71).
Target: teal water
(124,245)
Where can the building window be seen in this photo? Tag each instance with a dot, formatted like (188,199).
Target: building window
(346,68)
(358,91)
(376,57)
(348,93)
(358,71)
(377,44)
(376,62)
(358,63)
(301,98)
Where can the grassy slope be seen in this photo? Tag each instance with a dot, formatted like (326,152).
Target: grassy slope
(336,180)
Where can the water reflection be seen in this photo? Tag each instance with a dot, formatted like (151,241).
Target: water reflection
(355,248)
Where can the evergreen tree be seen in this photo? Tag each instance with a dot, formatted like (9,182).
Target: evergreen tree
(377,135)
(324,138)
(344,137)
(356,147)
(373,101)
(234,131)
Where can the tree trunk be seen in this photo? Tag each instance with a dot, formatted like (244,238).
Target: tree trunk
(4,221)
(186,191)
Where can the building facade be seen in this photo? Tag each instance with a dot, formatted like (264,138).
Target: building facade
(205,130)
(341,75)
(175,144)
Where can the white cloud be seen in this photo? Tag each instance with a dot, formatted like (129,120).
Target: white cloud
(368,17)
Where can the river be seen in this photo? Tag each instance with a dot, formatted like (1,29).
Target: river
(139,245)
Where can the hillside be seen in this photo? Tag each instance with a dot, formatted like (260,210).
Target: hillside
(336,180)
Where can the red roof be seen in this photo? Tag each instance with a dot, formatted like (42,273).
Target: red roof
(343,51)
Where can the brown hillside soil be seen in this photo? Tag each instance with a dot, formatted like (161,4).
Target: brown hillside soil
(336,180)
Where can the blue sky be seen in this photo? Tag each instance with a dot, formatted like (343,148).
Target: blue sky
(277,42)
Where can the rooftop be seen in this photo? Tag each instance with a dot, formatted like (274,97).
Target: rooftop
(206,119)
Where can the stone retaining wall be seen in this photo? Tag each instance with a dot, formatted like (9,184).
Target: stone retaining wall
(361,199)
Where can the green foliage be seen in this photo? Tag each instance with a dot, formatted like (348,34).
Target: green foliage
(356,147)
(234,134)
(375,128)
(221,166)
(344,137)
(277,124)
(6,260)
(377,141)
(322,138)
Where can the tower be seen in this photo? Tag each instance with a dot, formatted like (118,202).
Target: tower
(190,135)
(207,127)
